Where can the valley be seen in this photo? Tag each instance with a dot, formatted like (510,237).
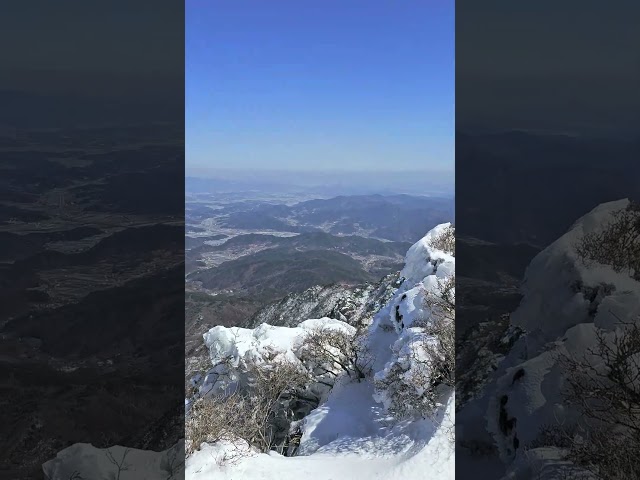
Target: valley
(250,252)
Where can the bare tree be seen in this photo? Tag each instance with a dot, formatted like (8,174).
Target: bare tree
(440,326)
(605,382)
(121,465)
(617,244)
(445,241)
(605,386)
(173,462)
(441,350)
(441,302)
(337,351)
(271,386)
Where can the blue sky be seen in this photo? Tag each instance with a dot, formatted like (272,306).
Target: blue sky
(320,85)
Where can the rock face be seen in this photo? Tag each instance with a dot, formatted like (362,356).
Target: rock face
(354,305)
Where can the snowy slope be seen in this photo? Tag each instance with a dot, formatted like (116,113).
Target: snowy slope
(357,457)
(350,435)
(565,304)
(424,268)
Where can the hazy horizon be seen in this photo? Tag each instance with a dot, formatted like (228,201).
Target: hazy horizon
(340,182)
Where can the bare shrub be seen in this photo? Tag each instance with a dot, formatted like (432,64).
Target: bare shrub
(560,436)
(257,414)
(445,241)
(173,462)
(442,351)
(405,390)
(418,390)
(120,464)
(212,419)
(617,244)
(335,351)
(441,302)
(440,325)
(608,454)
(605,385)
(601,450)
(272,386)
(608,389)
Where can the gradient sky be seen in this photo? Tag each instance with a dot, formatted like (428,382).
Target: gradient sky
(308,85)
(559,66)
(71,45)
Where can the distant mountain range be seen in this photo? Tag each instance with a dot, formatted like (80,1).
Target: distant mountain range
(402,218)
(539,183)
(322,184)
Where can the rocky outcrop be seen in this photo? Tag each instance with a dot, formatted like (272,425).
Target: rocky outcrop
(353,305)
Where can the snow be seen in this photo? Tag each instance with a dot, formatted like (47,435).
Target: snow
(87,461)
(550,304)
(351,434)
(422,258)
(359,453)
(565,305)
(352,422)
(237,343)
(230,349)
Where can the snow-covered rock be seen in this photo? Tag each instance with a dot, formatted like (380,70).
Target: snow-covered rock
(351,434)
(232,348)
(566,304)
(560,291)
(83,460)
(425,269)
(423,261)
(237,344)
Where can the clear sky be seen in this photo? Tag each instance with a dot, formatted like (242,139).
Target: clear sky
(310,84)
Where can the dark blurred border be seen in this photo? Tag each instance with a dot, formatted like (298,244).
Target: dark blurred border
(547,128)
(91,228)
